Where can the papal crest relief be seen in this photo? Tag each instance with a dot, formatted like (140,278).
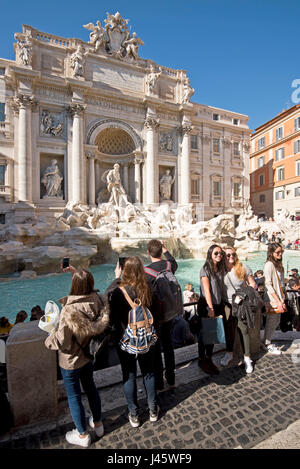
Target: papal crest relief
(115,37)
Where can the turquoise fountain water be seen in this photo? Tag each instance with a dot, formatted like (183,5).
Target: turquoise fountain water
(24,294)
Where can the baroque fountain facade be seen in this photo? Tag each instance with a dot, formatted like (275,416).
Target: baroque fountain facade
(101,150)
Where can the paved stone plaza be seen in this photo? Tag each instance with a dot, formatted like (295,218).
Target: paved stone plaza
(232,410)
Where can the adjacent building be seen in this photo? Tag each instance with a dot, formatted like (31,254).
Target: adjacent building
(275,165)
(78,107)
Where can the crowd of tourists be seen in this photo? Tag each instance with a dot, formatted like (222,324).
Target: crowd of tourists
(145,314)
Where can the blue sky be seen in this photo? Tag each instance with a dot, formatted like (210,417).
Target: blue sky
(240,55)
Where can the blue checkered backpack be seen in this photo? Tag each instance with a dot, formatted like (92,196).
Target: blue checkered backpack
(140,334)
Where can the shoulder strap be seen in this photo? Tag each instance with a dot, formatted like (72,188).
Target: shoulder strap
(231,281)
(129,300)
(151,272)
(281,291)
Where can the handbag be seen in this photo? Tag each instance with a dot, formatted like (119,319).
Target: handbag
(212,330)
(269,308)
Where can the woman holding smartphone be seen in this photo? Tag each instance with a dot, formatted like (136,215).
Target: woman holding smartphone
(82,316)
(210,303)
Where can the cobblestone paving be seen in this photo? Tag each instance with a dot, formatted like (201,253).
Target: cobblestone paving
(227,411)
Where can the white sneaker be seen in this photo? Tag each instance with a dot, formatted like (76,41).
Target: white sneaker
(134,420)
(74,439)
(153,416)
(226,359)
(273,350)
(98,430)
(248,365)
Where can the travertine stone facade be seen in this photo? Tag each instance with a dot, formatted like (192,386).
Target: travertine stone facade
(88,104)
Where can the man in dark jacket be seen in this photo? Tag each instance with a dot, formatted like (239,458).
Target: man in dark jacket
(155,250)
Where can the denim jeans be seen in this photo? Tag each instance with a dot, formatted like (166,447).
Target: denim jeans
(72,379)
(129,369)
(165,344)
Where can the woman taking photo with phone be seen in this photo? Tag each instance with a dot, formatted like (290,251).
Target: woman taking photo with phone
(82,316)
(275,286)
(237,275)
(210,302)
(135,284)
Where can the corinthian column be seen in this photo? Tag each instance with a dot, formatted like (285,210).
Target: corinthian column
(77,152)
(23,105)
(137,180)
(185,179)
(152,126)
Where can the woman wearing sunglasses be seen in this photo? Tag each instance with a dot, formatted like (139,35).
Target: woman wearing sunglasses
(275,286)
(210,303)
(238,275)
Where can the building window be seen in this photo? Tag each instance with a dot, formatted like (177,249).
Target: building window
(280,174)
(2,113)
(297,146)
(216,188)
(261,143)
(236,148)
(2,175)
(2,70)
(298,168)
(216,117)
(237,186)
(297,123)
(235,121)
(279,195)
(194,142)
(261,179)
(262,198)
(261,161)
(2,218)
(279,154)
(216,145)
(195,186)
(279,133)
(297,191)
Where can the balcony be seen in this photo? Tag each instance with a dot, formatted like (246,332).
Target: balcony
(5,130)
(5,193)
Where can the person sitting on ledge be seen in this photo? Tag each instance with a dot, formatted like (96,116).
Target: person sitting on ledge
(21,316)
(5,325)
(36,313)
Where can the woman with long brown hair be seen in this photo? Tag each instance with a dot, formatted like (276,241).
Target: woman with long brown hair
(136,286)
(83,315)
(275,286)
(237,276)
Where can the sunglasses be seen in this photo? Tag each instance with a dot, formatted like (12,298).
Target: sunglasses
(230,255)
(218,253)
(278,252)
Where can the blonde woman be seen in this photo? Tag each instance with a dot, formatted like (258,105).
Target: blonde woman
(238,275)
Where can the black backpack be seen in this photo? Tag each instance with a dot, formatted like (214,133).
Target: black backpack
(167,293)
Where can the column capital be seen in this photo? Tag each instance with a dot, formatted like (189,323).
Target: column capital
(76,109)
(22,101)
(151,123)
(185,129)
(91,155)
(205,138)
(226,142)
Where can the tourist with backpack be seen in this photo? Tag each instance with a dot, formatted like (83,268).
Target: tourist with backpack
(167,304)
(83,316)
(210,302)
(134,336)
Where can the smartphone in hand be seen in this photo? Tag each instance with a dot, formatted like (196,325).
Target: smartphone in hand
(122,261)
(65,262)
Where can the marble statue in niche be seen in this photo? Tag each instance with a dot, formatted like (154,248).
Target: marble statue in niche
(52,180)
(50,124)
(77,62)
(165,185)
(188,91)
(24,47)
(115,188)
(152,78)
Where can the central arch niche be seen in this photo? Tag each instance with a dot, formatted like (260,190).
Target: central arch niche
(114,141)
